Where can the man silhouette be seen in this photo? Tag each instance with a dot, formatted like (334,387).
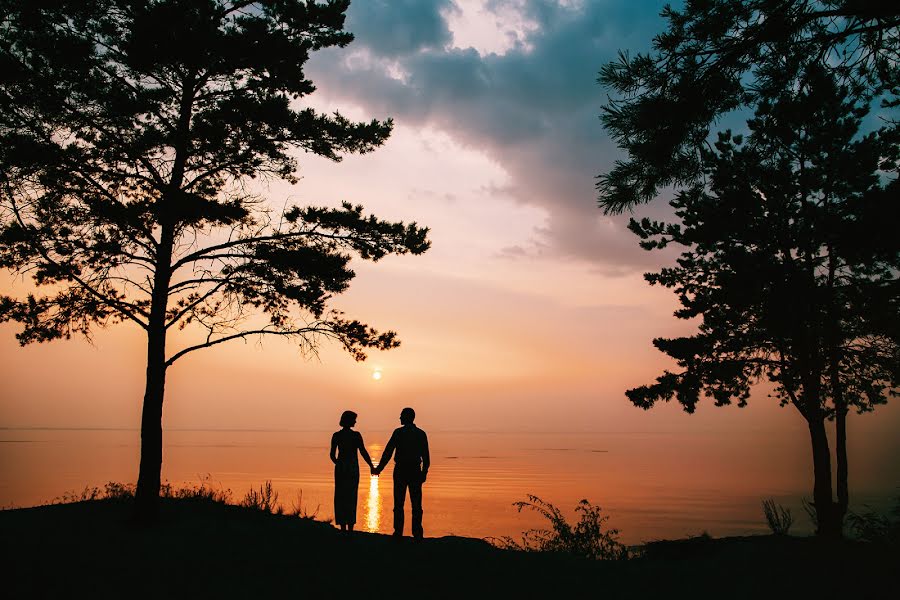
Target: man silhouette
(410,469)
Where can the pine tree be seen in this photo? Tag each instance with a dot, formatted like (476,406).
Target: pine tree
(128,132)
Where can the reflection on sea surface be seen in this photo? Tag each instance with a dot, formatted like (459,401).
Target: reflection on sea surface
(652,485)
(373,506)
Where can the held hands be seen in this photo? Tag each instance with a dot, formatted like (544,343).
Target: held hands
(376,471)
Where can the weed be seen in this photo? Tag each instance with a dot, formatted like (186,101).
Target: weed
(265,500)
(201,491)
(871,526)
(586,539)
(85,495)
(299,510)
(778,517)
(810,509)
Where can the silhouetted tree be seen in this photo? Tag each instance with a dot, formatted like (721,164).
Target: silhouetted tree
(716,56)
(791,263)
(128,132)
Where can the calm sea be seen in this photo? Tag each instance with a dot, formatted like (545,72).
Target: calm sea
(652,485)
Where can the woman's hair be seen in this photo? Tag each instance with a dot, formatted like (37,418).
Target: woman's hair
(348,418)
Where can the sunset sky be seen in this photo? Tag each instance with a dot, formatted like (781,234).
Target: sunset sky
(529,312)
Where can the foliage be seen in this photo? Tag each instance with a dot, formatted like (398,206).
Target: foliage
(778,518)
(791,264)
(789,260)
(111,491)
(204,491)
(871,526)
(810,510)
(128,132)
(718,56)
(265,499)
(114,490)
(588,538)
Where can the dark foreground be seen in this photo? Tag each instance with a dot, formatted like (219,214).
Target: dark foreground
(208,550)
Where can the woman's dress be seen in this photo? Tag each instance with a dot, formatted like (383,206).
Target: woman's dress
(346,475)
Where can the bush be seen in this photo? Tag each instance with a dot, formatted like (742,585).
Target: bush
(111,491)
(877,528)
(778,517)
(265,500)
(202,491)
(586,539)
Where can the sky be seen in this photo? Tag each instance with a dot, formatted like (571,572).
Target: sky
(529,312)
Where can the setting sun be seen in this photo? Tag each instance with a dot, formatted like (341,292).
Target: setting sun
(376,375)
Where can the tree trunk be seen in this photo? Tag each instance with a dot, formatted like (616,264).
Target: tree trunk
(822,497)
(843,489)
(147,493)
(837,395)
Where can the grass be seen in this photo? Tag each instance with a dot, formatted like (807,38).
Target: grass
(778,518)
(299,509)
(114,490)
(264,499)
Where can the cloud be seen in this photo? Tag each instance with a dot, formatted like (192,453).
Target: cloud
(534,108)
(397,27)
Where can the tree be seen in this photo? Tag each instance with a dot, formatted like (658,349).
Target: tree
(718,56)
(791,263)
(128,133)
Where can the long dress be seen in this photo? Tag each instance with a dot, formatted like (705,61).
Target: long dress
(346,475)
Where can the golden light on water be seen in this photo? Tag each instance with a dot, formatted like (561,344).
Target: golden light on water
(373,506)
(373,501)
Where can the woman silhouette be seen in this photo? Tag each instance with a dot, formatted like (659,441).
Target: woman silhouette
(344,446)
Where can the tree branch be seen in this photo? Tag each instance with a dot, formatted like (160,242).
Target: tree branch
(206,295)
(318,329)
(122,307)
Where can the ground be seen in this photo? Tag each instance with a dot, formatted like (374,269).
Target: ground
(209,550)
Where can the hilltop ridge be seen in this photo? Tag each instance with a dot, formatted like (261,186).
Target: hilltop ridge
(206,549)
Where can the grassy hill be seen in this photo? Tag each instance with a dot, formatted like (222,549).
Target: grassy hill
(205,549)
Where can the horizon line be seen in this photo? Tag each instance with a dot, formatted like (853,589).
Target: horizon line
(323,430)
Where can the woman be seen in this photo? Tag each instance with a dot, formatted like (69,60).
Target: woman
(344,446)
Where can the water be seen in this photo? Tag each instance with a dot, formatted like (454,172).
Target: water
(652,485)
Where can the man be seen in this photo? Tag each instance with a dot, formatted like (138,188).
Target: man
(410,469)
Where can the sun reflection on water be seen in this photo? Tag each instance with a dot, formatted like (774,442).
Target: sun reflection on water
(373,506)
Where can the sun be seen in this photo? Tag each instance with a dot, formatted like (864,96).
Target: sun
(376,374)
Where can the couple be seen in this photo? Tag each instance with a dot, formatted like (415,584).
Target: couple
(410,469)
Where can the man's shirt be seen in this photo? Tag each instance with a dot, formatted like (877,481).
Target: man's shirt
(411,446)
